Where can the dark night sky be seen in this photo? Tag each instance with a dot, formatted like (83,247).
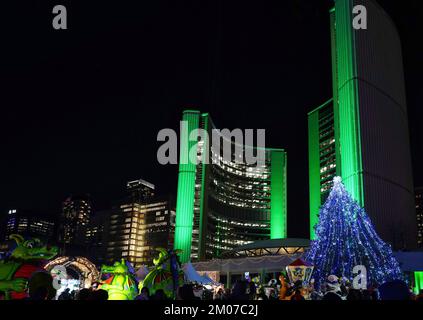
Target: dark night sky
(81,108)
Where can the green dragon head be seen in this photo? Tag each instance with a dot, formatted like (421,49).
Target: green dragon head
(116,268)
(32,249)
(165,274)
(163,256)
(121,285)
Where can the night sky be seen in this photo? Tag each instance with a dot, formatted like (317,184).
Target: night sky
(81,108)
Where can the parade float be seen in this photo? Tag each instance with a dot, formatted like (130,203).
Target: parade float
(299,270)
(299,274)
(23,268)
(120,282)
(166,274)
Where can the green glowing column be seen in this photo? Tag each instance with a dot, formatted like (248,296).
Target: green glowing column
(186,187)
(314,169)
(418,282)
(347,108)
(278,216)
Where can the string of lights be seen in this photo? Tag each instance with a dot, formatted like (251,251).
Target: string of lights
(345,238)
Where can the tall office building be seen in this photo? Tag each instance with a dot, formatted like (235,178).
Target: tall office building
(97,235)
(419,214)
(223,203)
(76,212)
(28,224)
(137,229)
(138,226)
(140,190)
(370,123)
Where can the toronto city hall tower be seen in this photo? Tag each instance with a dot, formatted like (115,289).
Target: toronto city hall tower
(362,133)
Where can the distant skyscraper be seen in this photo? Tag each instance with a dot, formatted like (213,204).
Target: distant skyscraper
(28,224)
(140,224)
(140,190)
(137,229)
(97,235)
(76,212)
(419,213)
(370,124)
(223,204)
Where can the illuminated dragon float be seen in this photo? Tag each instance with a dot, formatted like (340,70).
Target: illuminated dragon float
(23,266)
(121,283)
(166,274)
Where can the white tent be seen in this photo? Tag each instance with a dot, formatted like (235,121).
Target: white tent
(274,263)
(191,275)
(142,272)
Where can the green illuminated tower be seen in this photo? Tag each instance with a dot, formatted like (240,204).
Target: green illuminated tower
(368,127)
(223,204)
(186,188)
(278,201)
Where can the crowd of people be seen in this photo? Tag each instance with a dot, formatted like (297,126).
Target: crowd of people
(334,289)
(84,294)
(248,290)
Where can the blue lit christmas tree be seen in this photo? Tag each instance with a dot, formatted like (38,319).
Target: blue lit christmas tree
(345,237)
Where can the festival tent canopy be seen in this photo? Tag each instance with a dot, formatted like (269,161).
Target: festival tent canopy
(191,275)
(300,262)
(275,263)
(142,272)
(208,278)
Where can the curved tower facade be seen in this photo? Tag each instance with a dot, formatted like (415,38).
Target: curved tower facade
(223,203)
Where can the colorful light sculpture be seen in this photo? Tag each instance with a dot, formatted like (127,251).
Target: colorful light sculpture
(346,238)
(299,270)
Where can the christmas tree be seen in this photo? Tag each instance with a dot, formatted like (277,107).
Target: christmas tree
(345,238)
